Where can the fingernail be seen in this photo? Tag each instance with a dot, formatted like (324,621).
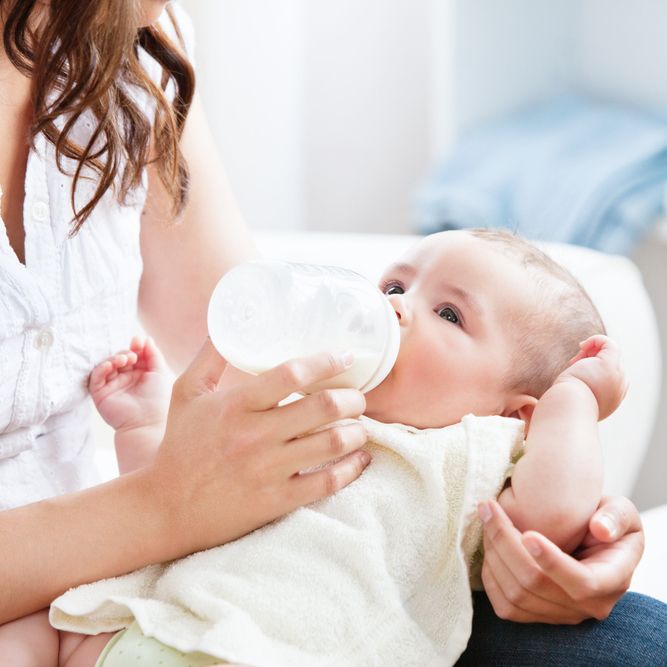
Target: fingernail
(533,547)
(484,511)
(365,457)
(609,524)
(347,358)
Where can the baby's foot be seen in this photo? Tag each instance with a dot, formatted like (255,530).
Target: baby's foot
(129,388)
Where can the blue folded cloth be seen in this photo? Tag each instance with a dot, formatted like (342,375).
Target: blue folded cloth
(571,170)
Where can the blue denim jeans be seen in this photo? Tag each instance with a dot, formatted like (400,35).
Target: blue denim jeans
(635,634)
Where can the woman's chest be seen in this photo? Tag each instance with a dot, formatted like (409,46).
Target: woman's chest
(71,303)
(14,127)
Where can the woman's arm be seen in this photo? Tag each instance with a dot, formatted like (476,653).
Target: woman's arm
(529,580)
(229,463)
(184,259)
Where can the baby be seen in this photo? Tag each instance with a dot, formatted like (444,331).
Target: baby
(380,573)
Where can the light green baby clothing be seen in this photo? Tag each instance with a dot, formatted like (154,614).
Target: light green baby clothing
(131,647)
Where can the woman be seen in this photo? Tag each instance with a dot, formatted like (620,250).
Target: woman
(85,240)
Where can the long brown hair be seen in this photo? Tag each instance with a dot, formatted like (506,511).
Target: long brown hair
(85,56)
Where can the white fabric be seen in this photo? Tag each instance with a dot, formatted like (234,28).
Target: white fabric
(375,575)
(73,303)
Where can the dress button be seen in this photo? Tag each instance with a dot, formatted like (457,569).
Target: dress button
(44,339)
(40,211)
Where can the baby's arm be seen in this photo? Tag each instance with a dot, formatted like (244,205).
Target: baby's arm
(131,393)
(557,485)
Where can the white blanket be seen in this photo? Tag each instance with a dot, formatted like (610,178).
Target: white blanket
(376,575)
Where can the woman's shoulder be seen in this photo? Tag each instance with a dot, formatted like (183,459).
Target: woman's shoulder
(177,24)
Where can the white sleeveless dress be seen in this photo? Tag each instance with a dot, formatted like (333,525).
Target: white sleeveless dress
(72,303)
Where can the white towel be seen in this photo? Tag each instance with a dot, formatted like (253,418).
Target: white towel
(375,575)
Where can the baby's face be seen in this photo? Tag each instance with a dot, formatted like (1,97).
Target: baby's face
(456,298)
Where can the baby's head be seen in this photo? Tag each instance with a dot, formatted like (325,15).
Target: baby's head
(487,323)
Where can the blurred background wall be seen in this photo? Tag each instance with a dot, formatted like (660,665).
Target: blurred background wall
(328,114)
(320,108)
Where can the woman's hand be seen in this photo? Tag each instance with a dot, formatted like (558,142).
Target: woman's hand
(529,580)
(231,460)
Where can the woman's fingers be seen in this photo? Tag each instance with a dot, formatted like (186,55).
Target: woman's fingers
(586,588)
(312,486)
(328,445)
(594,585)
(520,573)
(555,585)
(605,566)
(268,389)
(616,516)
(316,410)
(507,609)
(204,372)
(604,572)
(568,573)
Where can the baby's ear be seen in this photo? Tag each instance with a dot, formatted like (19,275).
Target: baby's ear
(520,406)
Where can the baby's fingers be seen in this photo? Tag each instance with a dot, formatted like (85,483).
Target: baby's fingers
(152,357)
(98,376)
(109,369)
(588,348)
(594,345)
(603,347)
(122,362)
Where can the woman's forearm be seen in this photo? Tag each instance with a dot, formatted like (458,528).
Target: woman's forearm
(557,485)
(50,546)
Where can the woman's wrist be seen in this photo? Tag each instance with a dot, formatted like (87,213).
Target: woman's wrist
(162,509)
(168,496)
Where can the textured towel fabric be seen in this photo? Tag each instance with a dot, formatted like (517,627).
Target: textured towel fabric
(572,170)
(378,574)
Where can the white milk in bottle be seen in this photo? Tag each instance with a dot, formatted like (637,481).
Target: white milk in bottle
(265,312)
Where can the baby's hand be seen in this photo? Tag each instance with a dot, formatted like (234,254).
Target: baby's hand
(130,388)
(598,365)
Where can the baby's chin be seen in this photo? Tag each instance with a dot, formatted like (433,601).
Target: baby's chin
(378,402)
(383,405)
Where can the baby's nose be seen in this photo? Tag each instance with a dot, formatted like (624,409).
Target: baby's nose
(400,308)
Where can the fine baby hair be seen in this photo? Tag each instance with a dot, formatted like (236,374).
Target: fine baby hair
(548,337)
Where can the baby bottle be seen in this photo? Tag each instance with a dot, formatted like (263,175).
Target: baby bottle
(265,312)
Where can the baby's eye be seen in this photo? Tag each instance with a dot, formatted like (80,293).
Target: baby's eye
(449,314)
(393,288)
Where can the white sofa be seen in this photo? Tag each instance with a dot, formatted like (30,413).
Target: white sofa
(615,286)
